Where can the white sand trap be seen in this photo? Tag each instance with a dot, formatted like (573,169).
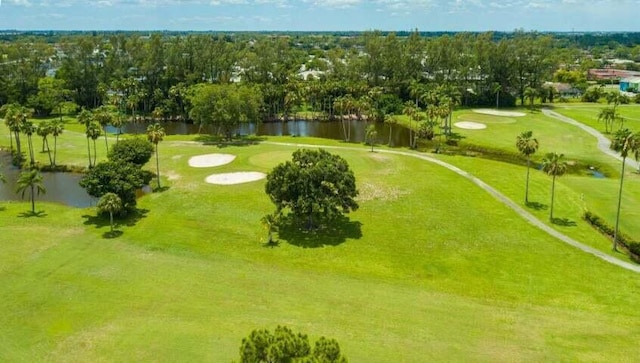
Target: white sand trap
(470,125)
(235,178)
(487,111)
(210,160)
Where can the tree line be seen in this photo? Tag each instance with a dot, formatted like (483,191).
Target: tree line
(162,74)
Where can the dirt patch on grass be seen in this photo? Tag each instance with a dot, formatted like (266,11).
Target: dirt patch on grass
(371,191)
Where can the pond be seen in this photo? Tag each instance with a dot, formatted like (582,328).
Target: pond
(323,129)
(61,187)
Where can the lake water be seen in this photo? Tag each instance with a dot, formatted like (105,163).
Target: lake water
(61,187)
(323,129)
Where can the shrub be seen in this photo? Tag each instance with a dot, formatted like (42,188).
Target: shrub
(604,228)
(137,151)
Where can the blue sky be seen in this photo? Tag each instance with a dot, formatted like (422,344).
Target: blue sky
(310,15)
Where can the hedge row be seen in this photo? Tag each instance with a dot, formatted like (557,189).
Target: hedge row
(598,223)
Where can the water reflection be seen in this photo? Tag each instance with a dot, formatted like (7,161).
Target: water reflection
(323,129)
(61,187)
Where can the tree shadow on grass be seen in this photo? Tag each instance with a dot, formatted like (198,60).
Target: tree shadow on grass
(222,142)
(537,206)
(161,189)
(102,221)
(30,214)
(112,234)
(332,233)
(564,222)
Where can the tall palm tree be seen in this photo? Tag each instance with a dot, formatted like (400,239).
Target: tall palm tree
(527,145)
(57,128)
(410,110)
(93,132)
(371,134)
(155,134)
(608,115)
(15,118)
(530,93)
(110,203)
(104,117)
(391,120)
(624,142)
(44,130)
(28,128)
(553,165)
(30,180)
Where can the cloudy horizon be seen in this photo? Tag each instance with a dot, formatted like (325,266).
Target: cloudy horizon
(320,15)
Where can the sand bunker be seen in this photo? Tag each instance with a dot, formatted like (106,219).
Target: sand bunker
(470,125)
(210,160)
(487,111)
(235,178)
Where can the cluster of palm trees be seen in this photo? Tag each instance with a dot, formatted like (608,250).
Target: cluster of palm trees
(624,141)
(553,164)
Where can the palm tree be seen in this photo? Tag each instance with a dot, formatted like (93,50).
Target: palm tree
(93,132)
(110,203)
(410,110)
(29,129)
(118,122)
(31,180)
(527,145)
(624,142)
(104,117)
(530,93)
(370,135)
(57,127)
(155,134)
(391,120)
(15,118)
(497,87)
(44,130)
(553,165)
(608,115)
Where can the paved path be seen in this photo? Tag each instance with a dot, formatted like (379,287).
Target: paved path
(604,143)
(496,194)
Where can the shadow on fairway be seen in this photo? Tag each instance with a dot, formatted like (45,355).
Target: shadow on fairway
(161,189)
(112,234)
(30,214)
(537,206)
(564,222)
(100,221)
(333,233)
(221,142)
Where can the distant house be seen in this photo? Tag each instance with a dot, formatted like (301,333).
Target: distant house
(631,84)
(564,89)
(610,74)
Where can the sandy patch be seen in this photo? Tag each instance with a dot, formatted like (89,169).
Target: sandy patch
(176,157)
(210,160)
(470,125)
(487,111)
(172,175)
(235,178)
(370,191)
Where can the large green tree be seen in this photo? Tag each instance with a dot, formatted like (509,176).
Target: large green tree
(527,145)
(118,177)
(554,165)
(624,142)
(314,185)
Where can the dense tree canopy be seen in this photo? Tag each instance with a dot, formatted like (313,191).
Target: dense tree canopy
(136,150)
(314,185)
(283,345)
(118,177)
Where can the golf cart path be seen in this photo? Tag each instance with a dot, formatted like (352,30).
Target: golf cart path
(496,194)
(604,144)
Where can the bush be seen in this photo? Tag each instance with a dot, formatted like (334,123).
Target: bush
(604,228)
(137,151)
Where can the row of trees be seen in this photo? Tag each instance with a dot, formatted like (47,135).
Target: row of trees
(624,141)
(144,74)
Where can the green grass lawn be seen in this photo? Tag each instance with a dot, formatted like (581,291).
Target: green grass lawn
(587,113)
(429,268)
